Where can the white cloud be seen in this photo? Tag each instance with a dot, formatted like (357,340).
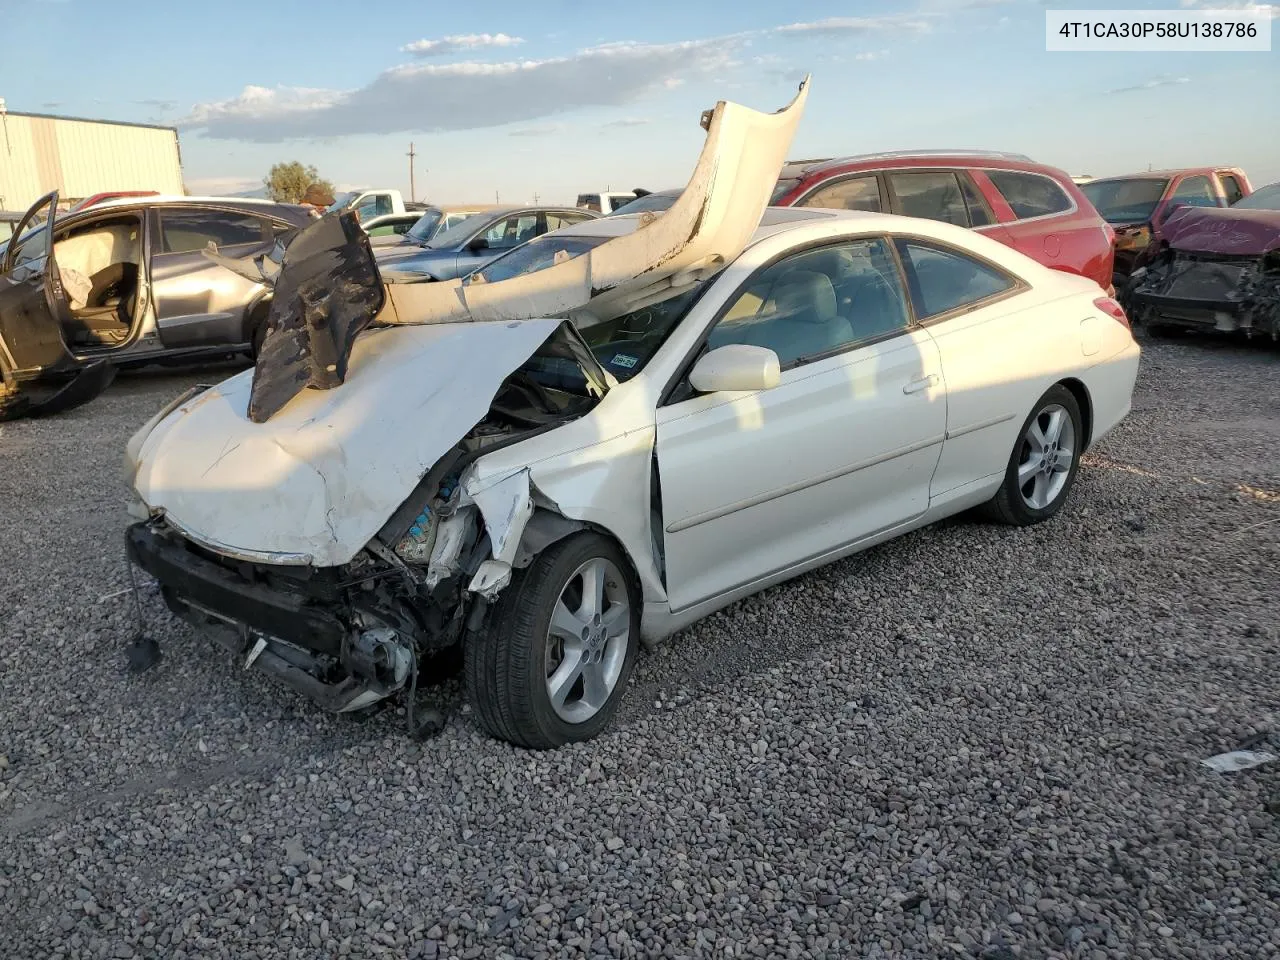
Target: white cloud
(838,26)
(1152,84)
(461,41)
(467,95)
(459,96)
(1273,9)
(546,131)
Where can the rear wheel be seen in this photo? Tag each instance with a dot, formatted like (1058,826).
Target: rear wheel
(555,658)
(1043,464)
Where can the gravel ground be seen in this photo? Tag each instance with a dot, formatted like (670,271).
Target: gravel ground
(972,742)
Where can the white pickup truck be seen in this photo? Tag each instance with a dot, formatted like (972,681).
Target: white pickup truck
(374,203)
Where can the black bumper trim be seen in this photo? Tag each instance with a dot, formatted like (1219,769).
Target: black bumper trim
(192,579)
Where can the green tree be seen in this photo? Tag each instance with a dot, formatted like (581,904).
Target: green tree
(287,182)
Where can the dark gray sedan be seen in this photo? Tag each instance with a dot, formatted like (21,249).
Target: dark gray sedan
(475,241)
(126,282)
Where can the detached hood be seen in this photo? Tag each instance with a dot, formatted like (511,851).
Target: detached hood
(329,287)
(1229,230)
(316,483)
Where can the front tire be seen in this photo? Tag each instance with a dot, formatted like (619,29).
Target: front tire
(1042,467)
(551,666)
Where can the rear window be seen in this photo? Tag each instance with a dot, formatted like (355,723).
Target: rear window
(186,231)
(1030,194)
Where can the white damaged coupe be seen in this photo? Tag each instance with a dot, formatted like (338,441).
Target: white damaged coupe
(608,433)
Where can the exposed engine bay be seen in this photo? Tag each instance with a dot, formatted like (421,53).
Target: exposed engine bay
(1227,292)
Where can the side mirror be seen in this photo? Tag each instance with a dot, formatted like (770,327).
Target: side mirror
(736,366)
(478,244)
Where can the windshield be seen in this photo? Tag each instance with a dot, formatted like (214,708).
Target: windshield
(538,254)
(782,188)
(1265,198)
(425,226)
(650,202)
(342,200)
(457,234)
(1128,200)
(622,345)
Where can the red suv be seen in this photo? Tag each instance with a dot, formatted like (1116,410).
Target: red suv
(1035,209)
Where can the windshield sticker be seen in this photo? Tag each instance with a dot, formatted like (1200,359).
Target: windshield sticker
(622,360)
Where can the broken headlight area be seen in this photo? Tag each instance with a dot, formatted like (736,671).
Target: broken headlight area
(1225,292)
(347,637)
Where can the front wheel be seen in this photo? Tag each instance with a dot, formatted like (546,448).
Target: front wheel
(551,666)
(1043,464)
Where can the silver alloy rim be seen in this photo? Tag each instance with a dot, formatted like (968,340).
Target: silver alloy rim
(587,641)
(1048,450)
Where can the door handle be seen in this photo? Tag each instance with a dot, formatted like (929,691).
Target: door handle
(924,383)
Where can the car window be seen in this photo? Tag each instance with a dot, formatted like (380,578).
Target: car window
(1127,200)
(946,279)
(933,195)
(1030,194)
(185,231)
(512,231)
(382,205)
(1231,188)
(616,202)
(979,214)
(590,201)
(818,302)
(854,193)
(1194,192)
(557,220)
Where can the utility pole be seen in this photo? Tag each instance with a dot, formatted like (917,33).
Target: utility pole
(496,201)
(413,190)
(535,198)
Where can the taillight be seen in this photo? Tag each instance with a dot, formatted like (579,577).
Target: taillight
(1112,310)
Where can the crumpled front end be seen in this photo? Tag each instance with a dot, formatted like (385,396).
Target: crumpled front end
(1222,291)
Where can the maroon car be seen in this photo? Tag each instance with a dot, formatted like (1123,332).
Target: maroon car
(1137,204)
(1036,209)
(1215,268)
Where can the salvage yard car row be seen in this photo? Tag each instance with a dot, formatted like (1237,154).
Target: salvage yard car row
(619,423)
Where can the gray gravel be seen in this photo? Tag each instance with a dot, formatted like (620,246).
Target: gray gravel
(972,742)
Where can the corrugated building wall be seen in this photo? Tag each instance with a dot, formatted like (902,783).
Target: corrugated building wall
(79,158)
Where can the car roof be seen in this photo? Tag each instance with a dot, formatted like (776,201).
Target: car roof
(1166,174)
(796,169)
(775,220)
(168,200)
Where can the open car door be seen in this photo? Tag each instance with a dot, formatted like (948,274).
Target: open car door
(39,376)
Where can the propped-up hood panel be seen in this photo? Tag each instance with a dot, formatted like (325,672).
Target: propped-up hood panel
(1229,231)
(318,481)
(328,290)
(706,228)
(329,287)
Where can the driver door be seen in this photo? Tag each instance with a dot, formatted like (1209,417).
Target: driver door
(32,348)
(31,298)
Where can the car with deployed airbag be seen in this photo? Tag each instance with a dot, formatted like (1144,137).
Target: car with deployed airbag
(607,434)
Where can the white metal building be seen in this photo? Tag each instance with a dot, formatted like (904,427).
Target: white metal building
(79,158)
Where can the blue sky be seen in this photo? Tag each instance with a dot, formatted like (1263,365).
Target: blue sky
(557,97)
